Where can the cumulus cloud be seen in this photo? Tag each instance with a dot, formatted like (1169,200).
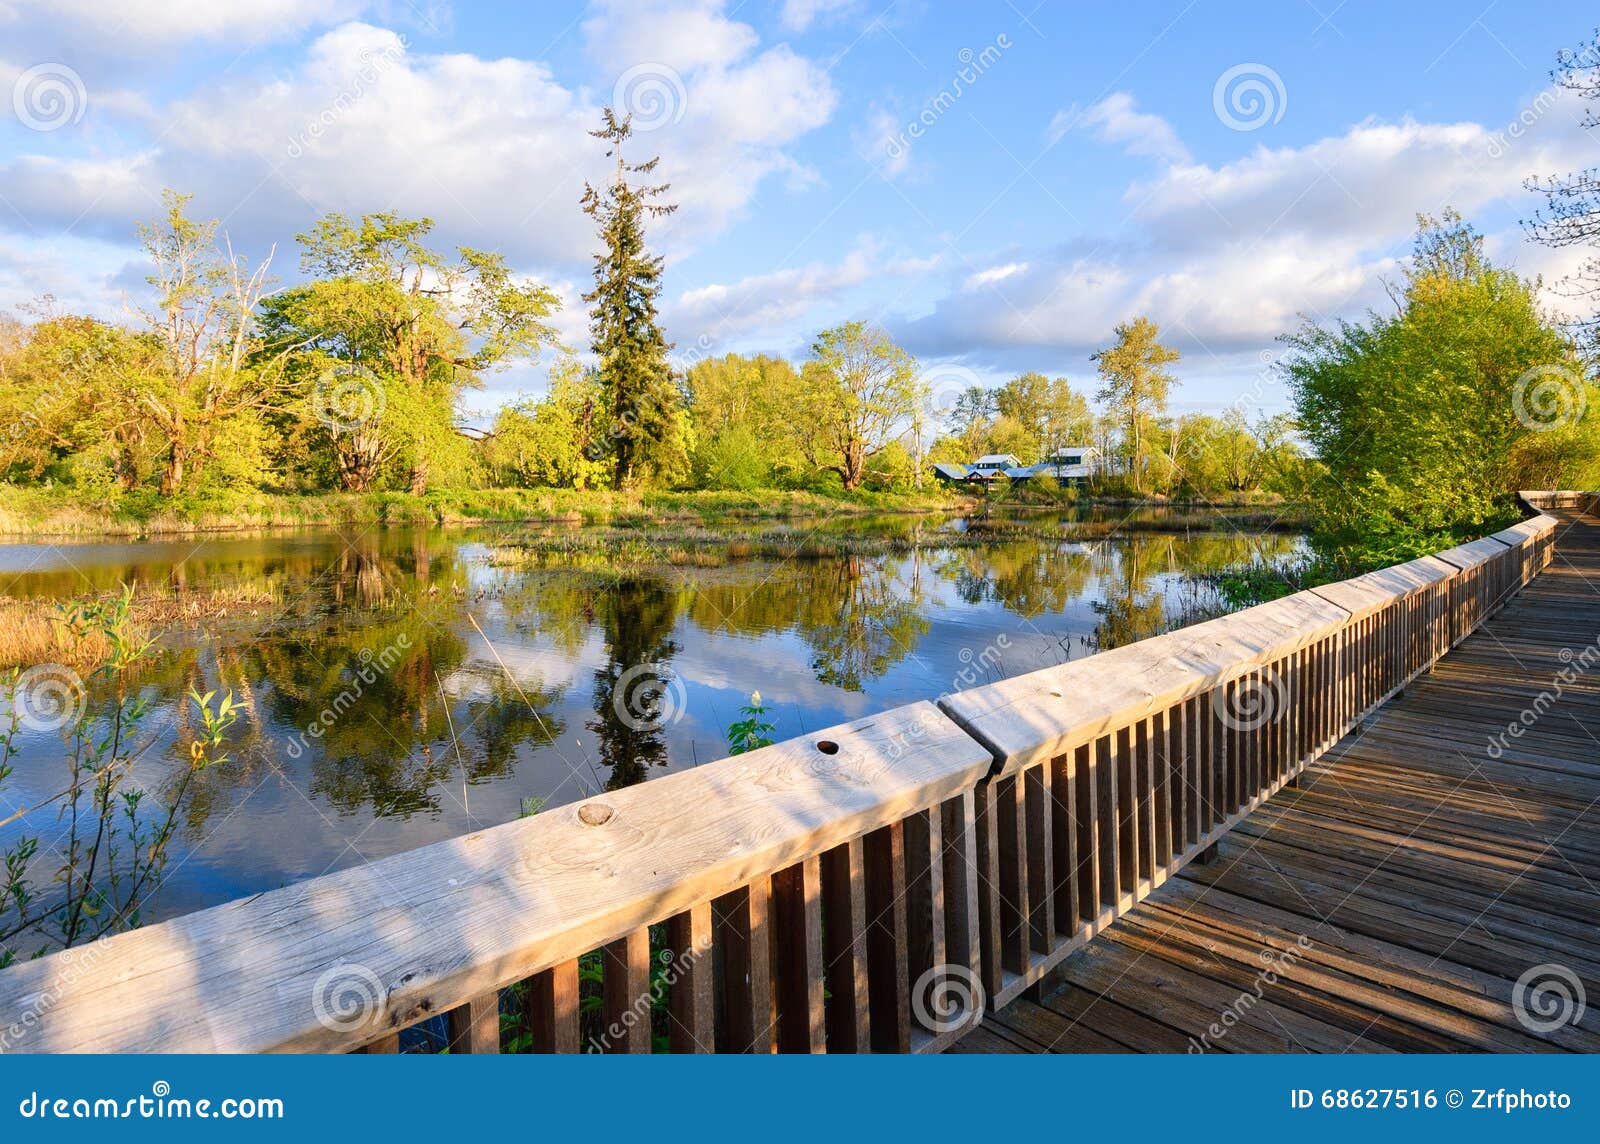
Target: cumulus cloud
(771,304)
(1227,256)
(496,149)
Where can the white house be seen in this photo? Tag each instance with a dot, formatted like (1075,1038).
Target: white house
(1071,466)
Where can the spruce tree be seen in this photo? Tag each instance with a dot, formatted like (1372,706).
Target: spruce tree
(642,400)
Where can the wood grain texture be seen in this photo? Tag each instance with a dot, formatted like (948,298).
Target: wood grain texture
(434,927)
(1402,889)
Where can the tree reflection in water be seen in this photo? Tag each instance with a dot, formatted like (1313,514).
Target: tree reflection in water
(613,674)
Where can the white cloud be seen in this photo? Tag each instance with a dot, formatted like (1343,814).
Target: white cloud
(162,23)
(1228,256)
(995,274)
(798,15)
(770,305)
(1117,119)
(495,149)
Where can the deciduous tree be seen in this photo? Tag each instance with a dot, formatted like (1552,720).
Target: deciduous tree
(861,392)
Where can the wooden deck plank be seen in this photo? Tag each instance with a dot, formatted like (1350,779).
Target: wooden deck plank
(1393,900)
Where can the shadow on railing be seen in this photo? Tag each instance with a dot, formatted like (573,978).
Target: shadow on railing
(871,887)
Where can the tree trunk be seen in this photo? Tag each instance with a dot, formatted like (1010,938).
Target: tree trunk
(172,474)
(358,462)
(127,467)
(854,466)
(419,476)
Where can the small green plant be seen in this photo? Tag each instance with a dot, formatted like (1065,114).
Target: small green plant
(751,730)
(113,846)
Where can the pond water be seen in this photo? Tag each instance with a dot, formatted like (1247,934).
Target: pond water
(401,686)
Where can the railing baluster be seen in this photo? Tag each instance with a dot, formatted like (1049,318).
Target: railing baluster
(1064,844)
(551,1009)
(691,1002)
(1037,819)
(1013,848)
(1127,813)
(744,936)
(844,933)
(797,917)
(962,939)
(1142,755)
(626,1007)
(475,1026)
(887,966)
(1086,816)
(925,890)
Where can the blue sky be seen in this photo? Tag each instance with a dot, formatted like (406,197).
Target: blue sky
(1221,167)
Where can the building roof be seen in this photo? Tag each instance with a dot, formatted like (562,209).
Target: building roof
(997,461)
(950,472)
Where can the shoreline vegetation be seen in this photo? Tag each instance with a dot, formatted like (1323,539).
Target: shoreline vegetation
(629,549)
(33,512)
(28,513)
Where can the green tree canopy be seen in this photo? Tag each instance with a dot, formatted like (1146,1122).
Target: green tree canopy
(392,333)
(1429,420)
(1134,386)
(861,391)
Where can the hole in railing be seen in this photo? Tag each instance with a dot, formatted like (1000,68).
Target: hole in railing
(827,746)
(1056,691)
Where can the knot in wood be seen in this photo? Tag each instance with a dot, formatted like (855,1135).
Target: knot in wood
(595,814)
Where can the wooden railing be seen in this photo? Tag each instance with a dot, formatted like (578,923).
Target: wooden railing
(871,887)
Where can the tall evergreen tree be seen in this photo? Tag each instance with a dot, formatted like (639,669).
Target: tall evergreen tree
(644,405)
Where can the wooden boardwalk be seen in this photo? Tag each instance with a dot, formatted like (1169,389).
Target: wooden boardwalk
(1394,899)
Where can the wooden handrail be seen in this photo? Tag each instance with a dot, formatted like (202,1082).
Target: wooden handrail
(868,887)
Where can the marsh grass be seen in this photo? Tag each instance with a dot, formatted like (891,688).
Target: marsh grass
(1287,519)
(61,512)
(618,551)
(36,631)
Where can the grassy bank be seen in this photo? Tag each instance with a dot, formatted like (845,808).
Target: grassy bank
(60,512)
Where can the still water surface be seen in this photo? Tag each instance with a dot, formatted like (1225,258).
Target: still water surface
(496,678)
